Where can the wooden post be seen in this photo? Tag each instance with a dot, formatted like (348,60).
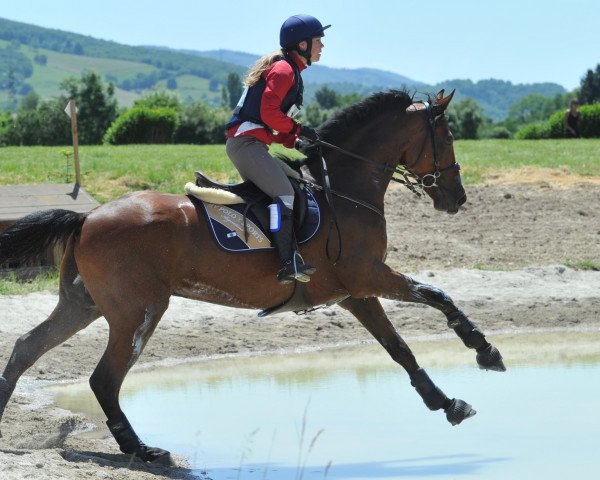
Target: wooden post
(73,115)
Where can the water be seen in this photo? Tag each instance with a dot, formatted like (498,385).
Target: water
(352,414)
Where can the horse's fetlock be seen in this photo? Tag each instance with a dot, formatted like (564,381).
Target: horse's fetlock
(466,330)
(433,397)
(123,433)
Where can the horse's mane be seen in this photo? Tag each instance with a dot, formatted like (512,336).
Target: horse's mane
(343,123)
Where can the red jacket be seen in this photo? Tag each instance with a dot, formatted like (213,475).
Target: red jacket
(279,77)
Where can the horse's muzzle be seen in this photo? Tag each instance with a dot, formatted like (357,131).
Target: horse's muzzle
(448,201)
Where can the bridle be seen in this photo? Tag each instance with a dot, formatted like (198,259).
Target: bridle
(410,180)
(428,180)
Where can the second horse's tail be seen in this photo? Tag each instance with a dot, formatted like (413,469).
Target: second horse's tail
(30,236)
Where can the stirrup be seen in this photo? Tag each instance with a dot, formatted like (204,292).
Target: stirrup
(295,269)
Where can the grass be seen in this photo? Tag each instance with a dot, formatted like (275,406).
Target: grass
(584,265)
(111,171)
(481,159)
(10,285)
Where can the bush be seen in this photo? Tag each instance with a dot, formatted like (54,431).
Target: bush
(533,131)
(589,124)
(500,133)
(202,124)
(43,124)
(555,125)
(143,125)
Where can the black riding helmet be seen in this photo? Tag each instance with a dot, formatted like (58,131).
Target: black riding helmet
(298,28)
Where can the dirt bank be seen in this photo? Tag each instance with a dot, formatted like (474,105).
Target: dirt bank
(502,259)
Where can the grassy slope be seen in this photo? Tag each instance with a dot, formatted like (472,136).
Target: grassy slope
(46,78)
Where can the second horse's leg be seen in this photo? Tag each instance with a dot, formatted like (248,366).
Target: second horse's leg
(371,314)
(125,344)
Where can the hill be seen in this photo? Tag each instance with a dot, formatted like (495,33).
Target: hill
(38,58)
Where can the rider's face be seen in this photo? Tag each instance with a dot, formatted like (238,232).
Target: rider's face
(315,52)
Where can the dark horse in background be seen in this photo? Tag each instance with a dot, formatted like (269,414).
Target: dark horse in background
(126,258)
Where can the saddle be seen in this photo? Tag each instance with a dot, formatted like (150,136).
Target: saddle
(257,200)
(240,222)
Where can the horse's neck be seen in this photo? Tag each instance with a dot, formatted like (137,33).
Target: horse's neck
(366,180)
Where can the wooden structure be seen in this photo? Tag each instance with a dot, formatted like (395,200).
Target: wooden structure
(16,201)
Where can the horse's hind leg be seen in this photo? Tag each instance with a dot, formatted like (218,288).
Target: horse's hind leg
(371,314)
(75,311)
(126,341)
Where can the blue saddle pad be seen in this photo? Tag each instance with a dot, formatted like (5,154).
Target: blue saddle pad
(227,226)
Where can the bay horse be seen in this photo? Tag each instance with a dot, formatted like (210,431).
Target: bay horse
(125,259)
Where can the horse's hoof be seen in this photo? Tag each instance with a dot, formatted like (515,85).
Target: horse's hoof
(490,359)
(153,455)
(458,411)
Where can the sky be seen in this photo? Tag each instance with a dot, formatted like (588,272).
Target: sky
(521,41)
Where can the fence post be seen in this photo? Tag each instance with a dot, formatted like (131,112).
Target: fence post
(72,112)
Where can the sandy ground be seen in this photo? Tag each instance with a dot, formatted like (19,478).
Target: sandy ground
(503,259)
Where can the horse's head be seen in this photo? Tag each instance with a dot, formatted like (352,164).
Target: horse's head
(430,155)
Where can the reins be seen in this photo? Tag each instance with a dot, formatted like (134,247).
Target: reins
(411,181)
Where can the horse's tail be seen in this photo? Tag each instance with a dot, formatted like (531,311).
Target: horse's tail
(30,236)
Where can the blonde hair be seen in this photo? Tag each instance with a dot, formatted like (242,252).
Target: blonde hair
(259,67)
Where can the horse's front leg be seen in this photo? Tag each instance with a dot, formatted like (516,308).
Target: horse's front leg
(371,314)
(396,286)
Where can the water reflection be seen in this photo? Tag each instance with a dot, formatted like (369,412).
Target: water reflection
(256,417)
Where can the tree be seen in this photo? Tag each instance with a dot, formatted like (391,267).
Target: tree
(465,119)
(96,104)
(590,87)
(234,89)
(157,99)
(327,98)
(202,124)
(30,102)
(44,124)
(533,108)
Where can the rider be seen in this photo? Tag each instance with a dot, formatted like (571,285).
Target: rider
(264,114)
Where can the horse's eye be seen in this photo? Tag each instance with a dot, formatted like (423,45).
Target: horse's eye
(449,139)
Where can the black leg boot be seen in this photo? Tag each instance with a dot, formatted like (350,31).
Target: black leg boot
(292,266)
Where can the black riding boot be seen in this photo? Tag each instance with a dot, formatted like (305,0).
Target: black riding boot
(292,267)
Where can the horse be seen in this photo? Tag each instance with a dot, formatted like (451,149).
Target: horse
(126,258)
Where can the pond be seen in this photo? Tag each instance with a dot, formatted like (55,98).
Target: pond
(351,413)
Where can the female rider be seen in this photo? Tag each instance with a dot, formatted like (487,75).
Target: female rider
(264,114)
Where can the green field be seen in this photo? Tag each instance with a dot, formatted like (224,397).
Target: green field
(110,171)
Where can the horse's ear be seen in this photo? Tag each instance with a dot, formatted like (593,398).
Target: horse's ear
(441,102)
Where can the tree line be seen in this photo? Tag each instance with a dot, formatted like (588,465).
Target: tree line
(160,117)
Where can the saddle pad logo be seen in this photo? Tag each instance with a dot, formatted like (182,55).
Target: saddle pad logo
(238,236)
